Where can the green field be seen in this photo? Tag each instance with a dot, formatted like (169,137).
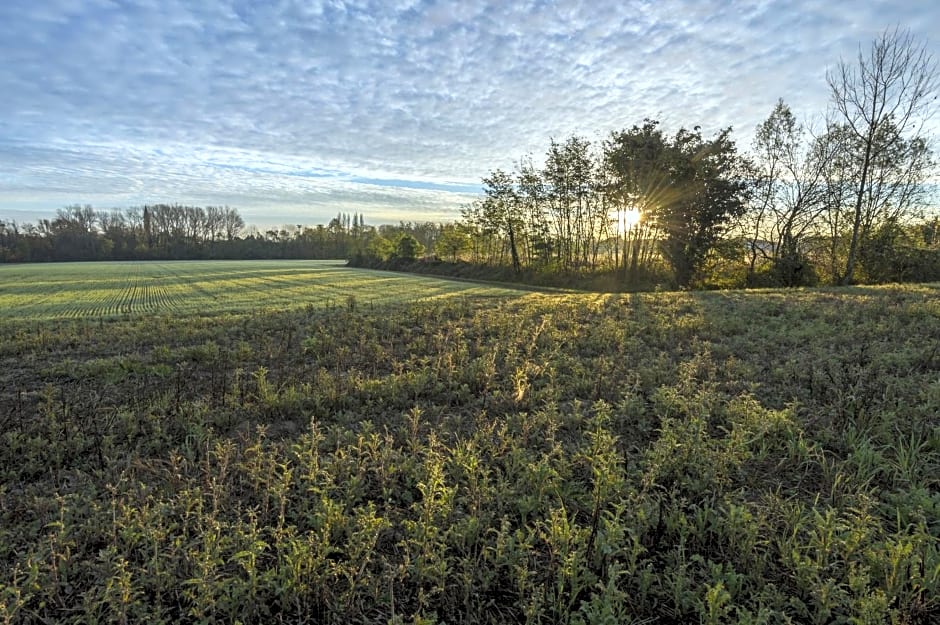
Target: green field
(760,458)
(108,289)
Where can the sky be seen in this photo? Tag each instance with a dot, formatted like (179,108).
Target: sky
(292,111)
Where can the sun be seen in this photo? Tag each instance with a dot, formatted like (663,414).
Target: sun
(627,219)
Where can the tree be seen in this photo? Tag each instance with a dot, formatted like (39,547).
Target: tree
(706,192)
(532,196)
(453,241)
(789,195)
(556,176)
(408,248)
(148,232)
(636,161)
(379,247)
(502,207)
(569,176)
(232,223)
(883,101)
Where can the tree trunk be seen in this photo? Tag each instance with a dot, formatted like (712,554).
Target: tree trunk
(857,221)
(512,247)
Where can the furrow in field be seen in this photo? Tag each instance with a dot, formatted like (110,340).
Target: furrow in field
(297,289)
(118,297)
(94,304)
(169,301)
(143,298)
(156,297)
(206,287)
(334,286)
(163,278)
(189,294)
(133,294)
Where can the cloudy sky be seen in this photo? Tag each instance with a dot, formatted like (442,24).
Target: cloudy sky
(294,110)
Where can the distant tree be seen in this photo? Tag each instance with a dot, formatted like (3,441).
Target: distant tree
(472,222)
(559,196)
(882,100)
(73,233)
(453,241)
(9,241)
(232,223)
(532,198)
(408,248)
(148,232)
(568,178)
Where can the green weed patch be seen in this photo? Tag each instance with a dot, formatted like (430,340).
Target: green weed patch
(662,458)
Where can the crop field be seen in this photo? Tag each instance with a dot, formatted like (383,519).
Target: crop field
(762,458)
(77,290)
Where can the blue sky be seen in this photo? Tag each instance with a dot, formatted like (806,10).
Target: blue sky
(292,111)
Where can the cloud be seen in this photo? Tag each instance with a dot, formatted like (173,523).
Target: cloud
(266,189)
(388,107)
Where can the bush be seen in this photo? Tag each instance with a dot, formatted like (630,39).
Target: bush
(408,248)
(794,270)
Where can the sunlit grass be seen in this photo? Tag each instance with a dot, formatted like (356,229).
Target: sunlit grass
(79,290)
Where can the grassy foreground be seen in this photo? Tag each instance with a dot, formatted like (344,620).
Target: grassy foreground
(653,458)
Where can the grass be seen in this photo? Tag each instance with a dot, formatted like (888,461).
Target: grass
(110,289)
(763,457)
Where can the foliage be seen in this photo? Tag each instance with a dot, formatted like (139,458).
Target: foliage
(175,232)
(407,248)
(634,162)
(381,248)
(708,192)
(566,458)
(453,242)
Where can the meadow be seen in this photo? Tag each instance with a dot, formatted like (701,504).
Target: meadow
(489,456)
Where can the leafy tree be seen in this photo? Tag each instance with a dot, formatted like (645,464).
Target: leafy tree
(453,241)
(408,248)
(568,177)
(381,248)
(532,197)
(706,192)
(501,208)
(683,191)
(636,161)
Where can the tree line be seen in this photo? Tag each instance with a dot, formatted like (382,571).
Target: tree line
(177,232)
(838,201)
(641,199)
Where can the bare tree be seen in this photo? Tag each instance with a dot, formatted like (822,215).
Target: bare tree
(232,223)
(883,100)
(789,194)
